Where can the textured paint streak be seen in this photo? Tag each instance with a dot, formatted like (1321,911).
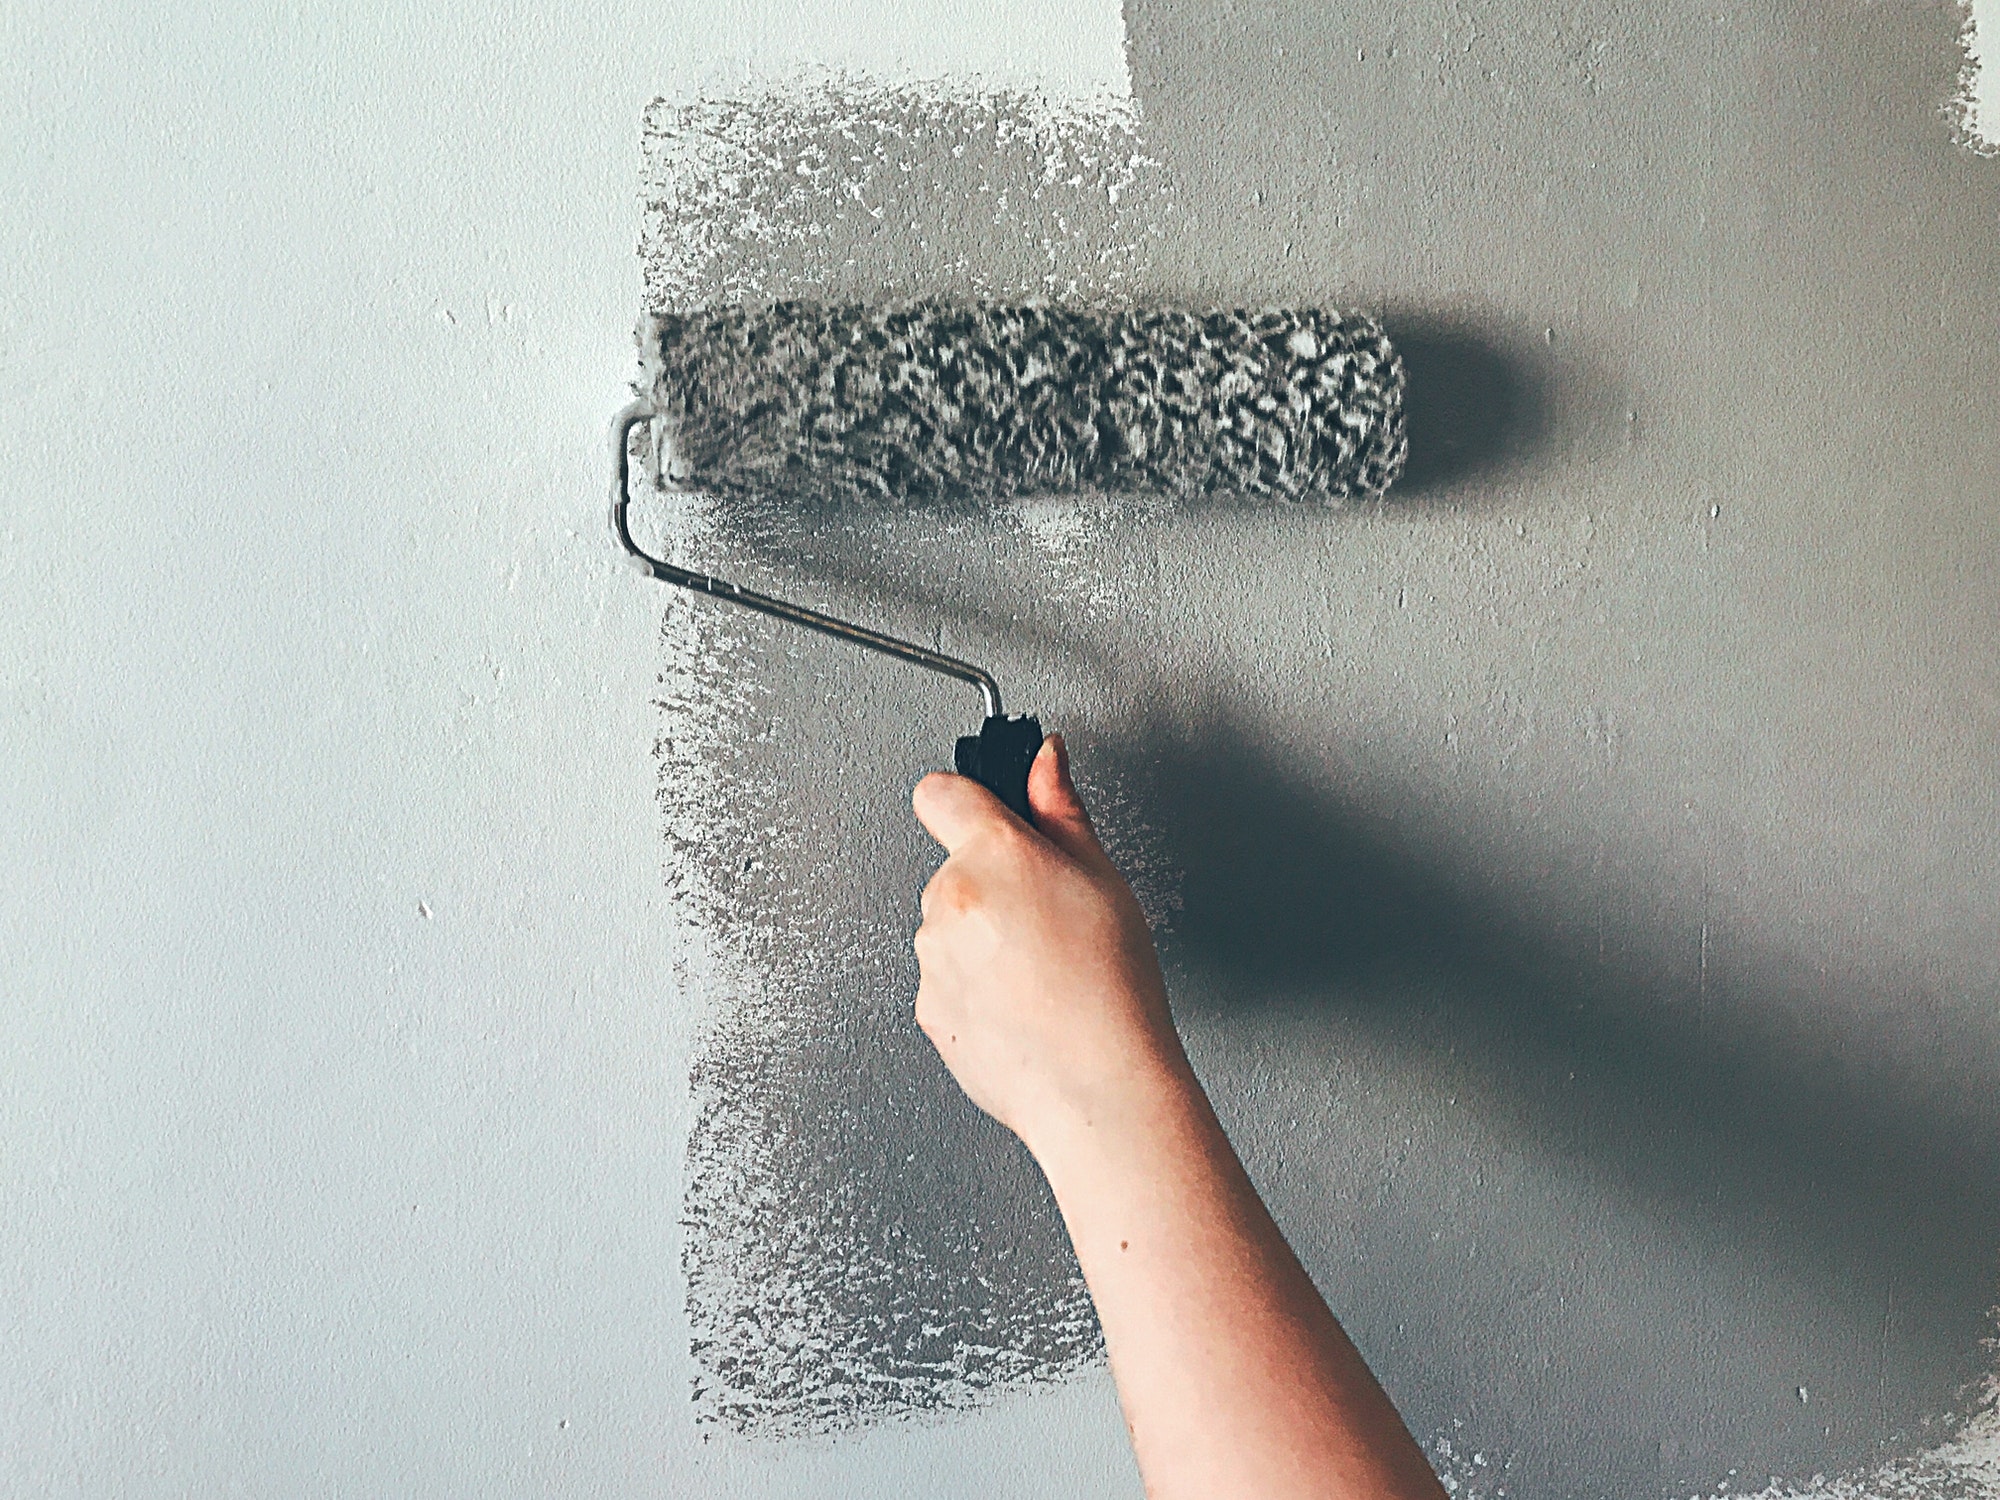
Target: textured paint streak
(778,188)
(860,1242)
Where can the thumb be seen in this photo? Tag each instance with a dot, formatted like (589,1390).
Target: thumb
(954,809)
(1058,810)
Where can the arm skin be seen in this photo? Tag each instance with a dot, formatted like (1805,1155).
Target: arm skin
(1043,995)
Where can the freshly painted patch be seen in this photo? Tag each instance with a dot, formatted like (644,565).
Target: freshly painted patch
(1965,1466)
(860,1245)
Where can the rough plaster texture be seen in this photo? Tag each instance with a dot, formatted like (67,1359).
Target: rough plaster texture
(1578,875)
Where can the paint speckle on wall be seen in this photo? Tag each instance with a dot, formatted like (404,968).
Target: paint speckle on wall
(861,1243)
(1975,108)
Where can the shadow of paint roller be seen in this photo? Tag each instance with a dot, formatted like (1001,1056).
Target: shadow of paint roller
(964,405)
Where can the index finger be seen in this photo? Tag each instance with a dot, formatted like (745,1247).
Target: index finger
(954,808)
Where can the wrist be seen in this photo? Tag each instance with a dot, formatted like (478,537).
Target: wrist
(1152,1098)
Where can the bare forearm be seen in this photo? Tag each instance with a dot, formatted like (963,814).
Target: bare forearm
(1235,1377)
(1041,990)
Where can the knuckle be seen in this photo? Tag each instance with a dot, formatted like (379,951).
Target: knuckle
(1013,844)
(950,892)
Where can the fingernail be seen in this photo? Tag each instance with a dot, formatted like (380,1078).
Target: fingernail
(1062,754)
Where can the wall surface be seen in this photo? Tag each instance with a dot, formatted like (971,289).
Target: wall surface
(455,1034)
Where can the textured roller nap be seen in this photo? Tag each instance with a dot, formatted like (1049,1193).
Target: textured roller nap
(940,402)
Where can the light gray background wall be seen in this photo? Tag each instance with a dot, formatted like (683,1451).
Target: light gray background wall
(1578,873)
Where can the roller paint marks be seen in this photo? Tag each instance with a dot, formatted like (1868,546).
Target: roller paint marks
(1975,108)
(840,180)
(861,1243)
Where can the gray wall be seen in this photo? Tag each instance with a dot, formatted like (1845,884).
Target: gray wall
(456,1030)
(1577,871)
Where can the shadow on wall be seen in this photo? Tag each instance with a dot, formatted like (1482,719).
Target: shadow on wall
(1473,407)
(1827,1173)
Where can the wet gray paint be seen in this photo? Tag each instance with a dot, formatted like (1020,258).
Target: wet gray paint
(1578,873)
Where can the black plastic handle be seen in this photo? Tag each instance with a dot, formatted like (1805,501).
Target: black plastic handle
(998,758)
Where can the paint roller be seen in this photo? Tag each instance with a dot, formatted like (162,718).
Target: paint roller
(964,405)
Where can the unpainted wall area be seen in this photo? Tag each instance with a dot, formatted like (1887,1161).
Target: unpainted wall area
(1577,872)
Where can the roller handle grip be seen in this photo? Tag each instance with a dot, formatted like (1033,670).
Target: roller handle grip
(998,758)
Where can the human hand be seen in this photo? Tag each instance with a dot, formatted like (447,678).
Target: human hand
(1040,987)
